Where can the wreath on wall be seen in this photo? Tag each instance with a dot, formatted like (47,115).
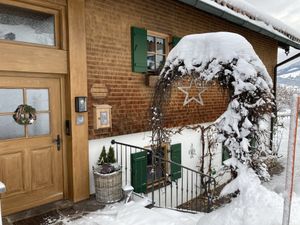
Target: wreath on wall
(230,60)
(24,114)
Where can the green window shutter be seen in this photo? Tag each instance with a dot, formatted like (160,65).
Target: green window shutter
(225,153)
(175,157)
(139,171)
(139,49)
(175,40)
(253,144)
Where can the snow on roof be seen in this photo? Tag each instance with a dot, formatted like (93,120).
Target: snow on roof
(248,12)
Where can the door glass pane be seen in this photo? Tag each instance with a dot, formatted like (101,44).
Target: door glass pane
(19,24)
(10,99)
(38,99)
(41,126)
(9,128)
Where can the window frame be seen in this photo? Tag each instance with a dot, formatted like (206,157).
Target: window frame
(164,180)
(56,11)
(25,101)
(164,36)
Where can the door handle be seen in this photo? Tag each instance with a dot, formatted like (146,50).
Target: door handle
(57,141)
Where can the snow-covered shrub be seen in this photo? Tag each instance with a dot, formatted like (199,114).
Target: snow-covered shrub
(230,60)
(283,96)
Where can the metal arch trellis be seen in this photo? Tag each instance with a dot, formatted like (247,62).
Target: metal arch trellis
(224,76)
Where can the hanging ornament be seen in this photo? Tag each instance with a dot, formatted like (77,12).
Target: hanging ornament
(192,151)
(24,114)
(186,90)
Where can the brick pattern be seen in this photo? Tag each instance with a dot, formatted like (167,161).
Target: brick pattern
(109,61)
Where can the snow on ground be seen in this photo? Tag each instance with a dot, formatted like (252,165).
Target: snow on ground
(134,213)
(278,181)
(256,205)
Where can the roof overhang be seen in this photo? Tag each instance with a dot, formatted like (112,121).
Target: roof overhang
(241,22)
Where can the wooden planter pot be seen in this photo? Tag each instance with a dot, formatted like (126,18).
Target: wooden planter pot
(108,187)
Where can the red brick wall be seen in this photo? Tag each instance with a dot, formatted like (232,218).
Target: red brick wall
(109,60)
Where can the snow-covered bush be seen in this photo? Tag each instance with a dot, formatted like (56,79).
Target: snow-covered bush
(283,96)
(230,60)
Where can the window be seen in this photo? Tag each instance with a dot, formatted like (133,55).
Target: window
(10,99)
(142,172)
(25,25)
(149,50)
(161,166)
(225,153)
(156,51)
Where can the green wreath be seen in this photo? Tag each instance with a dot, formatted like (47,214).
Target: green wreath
(24,115)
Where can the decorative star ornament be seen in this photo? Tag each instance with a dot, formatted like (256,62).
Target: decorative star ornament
(186,90)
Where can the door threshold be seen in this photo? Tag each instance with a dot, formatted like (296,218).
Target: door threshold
(36,211)
(51,212)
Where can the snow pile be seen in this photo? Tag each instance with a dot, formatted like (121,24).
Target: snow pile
(134,213)
(198,51)
(255,205)
(250,13)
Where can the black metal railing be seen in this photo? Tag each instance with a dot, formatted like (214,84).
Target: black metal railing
(191,190)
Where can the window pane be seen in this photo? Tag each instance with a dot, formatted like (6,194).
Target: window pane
(18,24)
(10,99)
(160,61)
(41,126)
(151,62)
(9,128)
(159,172)
(151,43)
(160,46)
(38,99)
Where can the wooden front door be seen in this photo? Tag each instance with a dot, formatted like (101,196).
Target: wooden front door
(31,164)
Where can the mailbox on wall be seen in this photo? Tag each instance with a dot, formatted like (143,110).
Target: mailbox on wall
(102,116)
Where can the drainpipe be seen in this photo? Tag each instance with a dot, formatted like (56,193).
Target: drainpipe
(275,86)
(2,190)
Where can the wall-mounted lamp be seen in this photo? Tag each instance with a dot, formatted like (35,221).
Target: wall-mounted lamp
(81,104)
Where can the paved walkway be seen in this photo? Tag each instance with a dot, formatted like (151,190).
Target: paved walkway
(50,213)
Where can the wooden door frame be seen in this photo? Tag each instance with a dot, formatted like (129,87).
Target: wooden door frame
(79,160)
(62,84)
(69,62)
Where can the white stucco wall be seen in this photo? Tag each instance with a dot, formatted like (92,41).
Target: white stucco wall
(186,138)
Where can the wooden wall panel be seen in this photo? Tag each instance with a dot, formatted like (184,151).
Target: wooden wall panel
(41,168)
(32,59)
(78,159)
(12,172)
